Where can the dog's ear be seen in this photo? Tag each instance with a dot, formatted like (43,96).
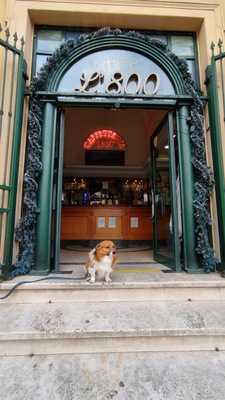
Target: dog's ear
(92,252)
(97,255)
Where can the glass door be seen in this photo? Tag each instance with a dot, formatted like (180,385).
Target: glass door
(166,205)
(57,192)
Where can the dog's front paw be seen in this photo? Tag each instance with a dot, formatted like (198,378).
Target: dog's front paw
(92,280)
(108,280)
(88,277)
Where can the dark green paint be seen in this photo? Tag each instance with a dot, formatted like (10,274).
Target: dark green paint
(172,261)
(5,187)
(215,129)
(50,94)
(173,184)
(163,60)
(56,233)
(43,241)
(14,168)
(186,178)
(4,210)
(123,42)
(8,46)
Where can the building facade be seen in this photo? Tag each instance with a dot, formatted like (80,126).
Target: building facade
(143,81)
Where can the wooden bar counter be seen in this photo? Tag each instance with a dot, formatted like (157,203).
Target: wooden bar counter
(106,222)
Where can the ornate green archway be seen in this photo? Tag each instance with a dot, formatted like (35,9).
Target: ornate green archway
(196,178)
(72,52)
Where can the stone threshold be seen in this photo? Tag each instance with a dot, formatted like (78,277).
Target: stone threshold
(175,288)
(111,344)
(154,280)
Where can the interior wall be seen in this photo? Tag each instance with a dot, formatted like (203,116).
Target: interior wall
(134,125)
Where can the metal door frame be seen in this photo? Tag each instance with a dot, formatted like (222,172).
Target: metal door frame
(57,189)
(190,262)
(175,262)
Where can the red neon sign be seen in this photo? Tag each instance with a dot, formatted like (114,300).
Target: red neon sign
(104,139)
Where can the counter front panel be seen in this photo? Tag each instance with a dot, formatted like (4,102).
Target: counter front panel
(98,223)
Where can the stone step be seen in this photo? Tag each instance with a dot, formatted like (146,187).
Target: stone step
(154,287)
(133,376)
(69,328)
(115,376)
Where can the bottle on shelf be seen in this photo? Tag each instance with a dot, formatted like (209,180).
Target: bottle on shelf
(86,198)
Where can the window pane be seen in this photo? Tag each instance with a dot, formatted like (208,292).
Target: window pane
(182,45)
(41,60)
(48,41)
(72,35)
(192,69)
(75,34)
(162,38)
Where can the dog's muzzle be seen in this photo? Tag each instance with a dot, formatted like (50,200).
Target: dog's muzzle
(112,253)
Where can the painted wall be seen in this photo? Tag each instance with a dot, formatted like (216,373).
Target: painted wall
(2,20)
(205,17)
(2,10)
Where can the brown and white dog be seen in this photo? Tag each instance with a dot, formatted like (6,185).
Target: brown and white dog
(101,261)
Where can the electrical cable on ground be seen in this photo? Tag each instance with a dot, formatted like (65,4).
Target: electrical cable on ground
(39,280)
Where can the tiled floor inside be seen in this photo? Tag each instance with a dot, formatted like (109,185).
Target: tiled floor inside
(133,263)
(136,266)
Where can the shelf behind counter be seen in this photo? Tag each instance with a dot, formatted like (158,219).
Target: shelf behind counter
(108,222)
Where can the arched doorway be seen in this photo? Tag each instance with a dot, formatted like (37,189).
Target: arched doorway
(158,81)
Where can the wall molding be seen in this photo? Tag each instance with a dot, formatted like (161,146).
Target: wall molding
(207,5)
